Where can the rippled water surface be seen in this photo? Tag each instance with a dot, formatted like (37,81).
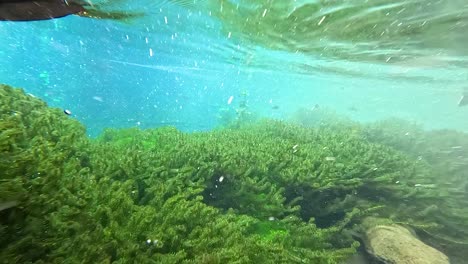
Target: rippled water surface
(178,61)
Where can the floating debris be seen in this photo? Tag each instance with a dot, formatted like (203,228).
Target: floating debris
(98,98)
(321,20)
(430,186)
(154,242)
(295,148)
(230,100)
(67,112)
(464,98)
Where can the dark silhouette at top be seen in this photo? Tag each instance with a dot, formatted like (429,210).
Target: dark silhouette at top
(29,10)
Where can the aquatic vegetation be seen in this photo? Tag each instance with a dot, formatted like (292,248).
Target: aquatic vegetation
(95,201)
(263,192)
(446,191)
(41,155)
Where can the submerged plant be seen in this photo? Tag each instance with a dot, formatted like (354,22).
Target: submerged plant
(264,192)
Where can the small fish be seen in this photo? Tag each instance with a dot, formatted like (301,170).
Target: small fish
(353,108)
(7,205)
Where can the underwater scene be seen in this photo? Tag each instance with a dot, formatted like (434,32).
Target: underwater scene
(234,131)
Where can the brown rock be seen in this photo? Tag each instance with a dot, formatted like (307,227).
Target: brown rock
(394,244)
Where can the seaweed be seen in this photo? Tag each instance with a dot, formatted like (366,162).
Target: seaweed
(263,192)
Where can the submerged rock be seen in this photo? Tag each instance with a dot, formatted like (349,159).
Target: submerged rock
(394,244)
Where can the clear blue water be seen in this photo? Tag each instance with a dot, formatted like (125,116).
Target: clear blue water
(181,62)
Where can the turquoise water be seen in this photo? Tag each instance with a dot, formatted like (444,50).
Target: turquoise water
(368,61)
(276,129)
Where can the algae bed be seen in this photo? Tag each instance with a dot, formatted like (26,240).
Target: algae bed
(260,192)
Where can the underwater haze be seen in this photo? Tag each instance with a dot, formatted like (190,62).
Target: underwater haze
(236,131)
(181,61)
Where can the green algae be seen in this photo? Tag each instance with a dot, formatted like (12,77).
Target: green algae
(265,192)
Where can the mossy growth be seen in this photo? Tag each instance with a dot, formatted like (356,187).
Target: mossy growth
(445,200)
(264,192)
